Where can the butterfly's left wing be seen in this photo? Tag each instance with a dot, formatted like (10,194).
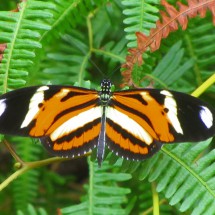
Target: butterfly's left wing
(140,121)
(66,119)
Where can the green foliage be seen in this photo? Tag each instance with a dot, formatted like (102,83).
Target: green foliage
(183,178)
(201,48)
(103,194)
(140,17)
(25,188)
(33,211)
(70,41)
(171,67)
(21,31)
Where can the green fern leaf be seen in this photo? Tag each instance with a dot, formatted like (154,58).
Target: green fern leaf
(182,177)
(200,47)
(67,14)
(68,64)
(104,196)
(21,31)
(141,16)
(169,69)
(32,211)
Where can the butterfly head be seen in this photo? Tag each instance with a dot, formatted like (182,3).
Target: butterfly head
(105,91)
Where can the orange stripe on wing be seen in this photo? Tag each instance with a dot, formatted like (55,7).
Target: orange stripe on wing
(125,143)
(66,117)
(78,141)
(152,109)
(45,122)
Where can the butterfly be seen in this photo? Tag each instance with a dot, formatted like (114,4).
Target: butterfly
(71,121)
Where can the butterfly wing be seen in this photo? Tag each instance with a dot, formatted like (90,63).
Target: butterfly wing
(66,119)
(140,121)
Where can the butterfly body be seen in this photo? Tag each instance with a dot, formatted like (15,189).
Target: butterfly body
(70,121)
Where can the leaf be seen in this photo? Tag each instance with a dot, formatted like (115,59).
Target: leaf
(22,28)
(140,17)
(182,176)
(169,69)
(171,19)
(33,211)
(103,196)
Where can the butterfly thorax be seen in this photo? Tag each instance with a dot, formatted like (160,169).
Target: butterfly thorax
(105,92)
(105,95)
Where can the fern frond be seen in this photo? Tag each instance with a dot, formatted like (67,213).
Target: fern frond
(21,31)
(141,16)
(171,19)
(68,61)
(171,68)
(168,71)
(200,47)
(32,210)
(182,176)
(104,196)
(64,16)
(67,14)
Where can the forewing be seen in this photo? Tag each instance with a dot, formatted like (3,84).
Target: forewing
(140,121)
